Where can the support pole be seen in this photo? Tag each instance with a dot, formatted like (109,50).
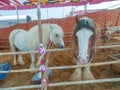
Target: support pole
(85,8)
(39,21)
(18,20)
(40,34)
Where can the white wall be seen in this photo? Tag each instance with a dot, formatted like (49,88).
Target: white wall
(57,12)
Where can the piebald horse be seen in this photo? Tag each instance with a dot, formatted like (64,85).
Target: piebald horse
(84,38)
(29,40)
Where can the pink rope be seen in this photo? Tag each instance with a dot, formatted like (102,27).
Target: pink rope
(42,68)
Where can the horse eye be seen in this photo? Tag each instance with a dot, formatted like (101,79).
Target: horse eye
(56,35)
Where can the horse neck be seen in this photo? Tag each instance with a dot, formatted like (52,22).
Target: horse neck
(46,35)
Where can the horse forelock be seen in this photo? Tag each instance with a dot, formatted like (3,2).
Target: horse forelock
(87,23)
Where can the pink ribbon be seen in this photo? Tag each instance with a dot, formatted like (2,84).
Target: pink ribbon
(42,68)
(42,62)
(41,49)
(47,82)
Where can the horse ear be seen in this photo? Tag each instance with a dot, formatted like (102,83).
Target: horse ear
(51,27)
(76,19)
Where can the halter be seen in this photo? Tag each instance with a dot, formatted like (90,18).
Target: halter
(50,44)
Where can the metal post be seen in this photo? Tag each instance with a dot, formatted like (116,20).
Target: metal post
(85,8)
(18,21)
(47,14)
(16,8)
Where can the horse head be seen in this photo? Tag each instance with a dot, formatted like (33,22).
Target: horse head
(56,35)
(84,39)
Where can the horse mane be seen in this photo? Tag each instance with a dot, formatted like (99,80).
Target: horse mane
(84,22)
(58,28)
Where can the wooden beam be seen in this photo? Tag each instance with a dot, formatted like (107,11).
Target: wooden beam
(64,67)
(106,47)
(28,52)
(64,83)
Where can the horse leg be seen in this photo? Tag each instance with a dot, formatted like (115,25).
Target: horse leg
(32,66)
(20,60)
(87,74)
(77,74)
(14,63)
(13,49)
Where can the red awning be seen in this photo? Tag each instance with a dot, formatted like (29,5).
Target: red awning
(30,4)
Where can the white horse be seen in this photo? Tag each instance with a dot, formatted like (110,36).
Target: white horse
(84,37)
(29,40)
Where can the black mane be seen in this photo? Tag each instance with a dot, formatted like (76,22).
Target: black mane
(83,24)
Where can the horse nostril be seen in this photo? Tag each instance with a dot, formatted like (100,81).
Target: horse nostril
(60,46)
(78,57)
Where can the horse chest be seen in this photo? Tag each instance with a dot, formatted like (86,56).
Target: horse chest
(19,41)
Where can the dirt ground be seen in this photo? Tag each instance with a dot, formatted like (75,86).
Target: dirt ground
(59,59)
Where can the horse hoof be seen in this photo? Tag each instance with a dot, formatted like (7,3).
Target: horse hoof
(37,65)
(21,63)
(14,63)
(89,76)
(75,76)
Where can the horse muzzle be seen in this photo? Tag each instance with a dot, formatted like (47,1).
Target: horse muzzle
(82,60)
(60,45)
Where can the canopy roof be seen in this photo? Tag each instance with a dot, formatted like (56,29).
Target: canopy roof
(30,4)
